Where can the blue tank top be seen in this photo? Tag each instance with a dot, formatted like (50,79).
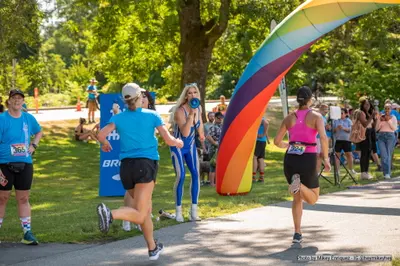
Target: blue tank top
(189,140)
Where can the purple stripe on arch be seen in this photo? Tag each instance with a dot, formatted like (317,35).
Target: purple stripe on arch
(261,79)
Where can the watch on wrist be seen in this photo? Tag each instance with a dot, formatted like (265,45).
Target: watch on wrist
(34,145)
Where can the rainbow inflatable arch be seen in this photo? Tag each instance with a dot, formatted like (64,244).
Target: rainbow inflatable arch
(283,47)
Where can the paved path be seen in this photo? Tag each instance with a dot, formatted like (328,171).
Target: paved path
(70,114)
(351,222)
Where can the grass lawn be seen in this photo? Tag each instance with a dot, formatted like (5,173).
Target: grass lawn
(65,190)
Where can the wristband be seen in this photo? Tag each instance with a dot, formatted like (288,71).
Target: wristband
(34,145)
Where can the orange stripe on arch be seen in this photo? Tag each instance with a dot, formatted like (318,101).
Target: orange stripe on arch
(232,153)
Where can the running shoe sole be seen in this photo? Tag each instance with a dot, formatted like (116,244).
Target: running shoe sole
(104,225)
(294,187)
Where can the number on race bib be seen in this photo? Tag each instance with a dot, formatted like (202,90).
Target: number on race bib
(18,149)
(297,149)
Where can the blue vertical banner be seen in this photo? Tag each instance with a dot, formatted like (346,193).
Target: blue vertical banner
(110,181)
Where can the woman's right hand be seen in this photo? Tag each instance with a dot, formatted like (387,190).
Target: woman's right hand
(327,165)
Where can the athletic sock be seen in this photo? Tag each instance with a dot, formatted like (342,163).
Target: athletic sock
(26,223)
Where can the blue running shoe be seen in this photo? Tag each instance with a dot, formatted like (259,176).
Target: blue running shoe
(29,239)
(297,238)
(154,254)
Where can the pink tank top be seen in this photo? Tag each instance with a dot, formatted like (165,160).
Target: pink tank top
(300,132)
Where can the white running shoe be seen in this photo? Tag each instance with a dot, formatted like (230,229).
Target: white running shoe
(387,176)
(126,226)
(179,216)
(353,172)
(193,216)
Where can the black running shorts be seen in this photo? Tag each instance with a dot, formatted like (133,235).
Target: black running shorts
(259,152)
(305,165)
(137,170)
(21,180)
(342,145)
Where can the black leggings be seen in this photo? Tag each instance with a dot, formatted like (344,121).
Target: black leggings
(365,148)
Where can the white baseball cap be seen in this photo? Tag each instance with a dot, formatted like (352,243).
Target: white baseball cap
(131,91)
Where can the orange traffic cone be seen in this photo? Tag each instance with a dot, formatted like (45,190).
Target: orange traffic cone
(78,105)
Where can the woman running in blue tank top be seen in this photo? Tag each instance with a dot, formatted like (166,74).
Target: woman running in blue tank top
(186,121)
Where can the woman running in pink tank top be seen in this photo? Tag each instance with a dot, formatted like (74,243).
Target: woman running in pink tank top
(300,163)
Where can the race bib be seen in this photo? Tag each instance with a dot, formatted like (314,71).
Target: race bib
(19,149)
(297,149)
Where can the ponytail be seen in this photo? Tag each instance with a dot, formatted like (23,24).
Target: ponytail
(132,103)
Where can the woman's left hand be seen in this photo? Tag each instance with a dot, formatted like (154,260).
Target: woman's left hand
(202,138)
(31,149)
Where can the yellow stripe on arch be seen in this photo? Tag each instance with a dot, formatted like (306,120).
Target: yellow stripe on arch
(246,182)
(324,2)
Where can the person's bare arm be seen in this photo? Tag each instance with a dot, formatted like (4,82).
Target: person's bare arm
(200,130)
(278,141)
(363,119)
(168,138)
(35,141)
(266,127)
(102,137)
(393,123)
(324,141)
(184,123)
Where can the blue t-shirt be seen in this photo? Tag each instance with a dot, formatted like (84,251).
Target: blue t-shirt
(15,137)
(136,131)
(341,134)
(261,131)
(328,132)
(91,95)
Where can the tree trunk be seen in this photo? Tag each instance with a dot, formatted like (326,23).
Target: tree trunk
(198,41)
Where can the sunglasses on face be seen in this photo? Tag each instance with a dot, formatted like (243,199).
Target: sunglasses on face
(144,95)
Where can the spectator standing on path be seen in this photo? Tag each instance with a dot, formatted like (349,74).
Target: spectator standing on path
(342,130)
(221,107)
(366,116)
(386,127)
(213,138)
(16,168)
(92,104)
(259,152)
(186,121)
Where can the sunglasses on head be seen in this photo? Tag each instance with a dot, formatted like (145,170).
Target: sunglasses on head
(191,84)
